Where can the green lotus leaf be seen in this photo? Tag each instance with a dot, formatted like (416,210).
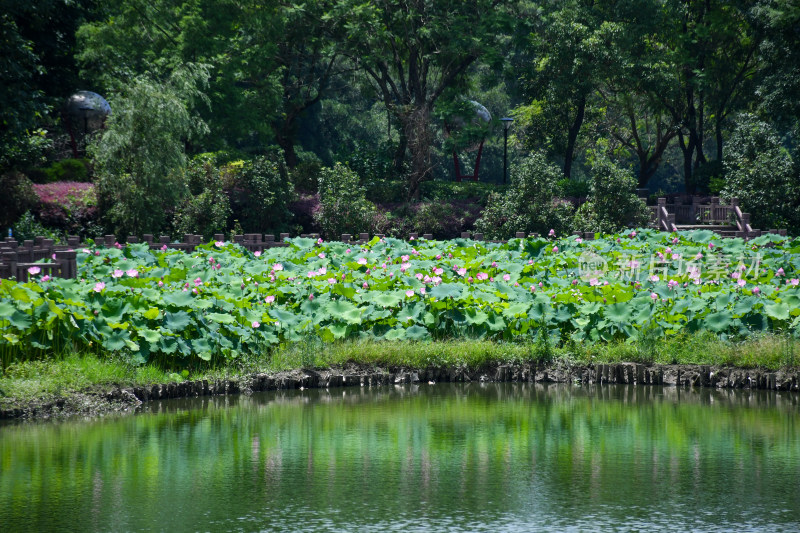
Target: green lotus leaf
(417,333)
(202,349)
(719,321)
(778,311)
(150,335)
(338,330)
(516,309)
(618,312)
(176,321)
(20,320)
(220,318)
(116,340)
(446,290)
(151,314)
(343,310)
(179,299)
(495,322)
(475,316)
(6,309)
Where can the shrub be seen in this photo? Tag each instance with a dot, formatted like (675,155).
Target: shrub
(612,204)
(343,204)
(529,205)
(207,210)
(574,188)
(66,170)
(69,207)
(28,228)
(761,173)
(17,197)
(260,193)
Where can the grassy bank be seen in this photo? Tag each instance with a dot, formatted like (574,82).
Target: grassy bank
(40,381)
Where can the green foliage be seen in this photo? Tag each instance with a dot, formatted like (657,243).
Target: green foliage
(28,228)
(574,188)
(17,197)
(761,173)
(613,204)
(140,156)
(219,301)
(530,204)
(65,170)
(207,210)
(260,195)
(344,207)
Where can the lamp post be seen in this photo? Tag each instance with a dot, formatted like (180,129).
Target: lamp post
(506,124)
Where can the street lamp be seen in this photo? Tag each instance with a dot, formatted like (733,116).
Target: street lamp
(506,124)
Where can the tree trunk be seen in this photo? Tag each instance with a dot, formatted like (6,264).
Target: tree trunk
(418,133)
(688,153)
(574,129)
(718,127)
(285,140)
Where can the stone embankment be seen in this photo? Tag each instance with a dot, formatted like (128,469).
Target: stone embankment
(686,376)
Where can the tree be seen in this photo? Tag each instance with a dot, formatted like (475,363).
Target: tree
(761,173)
(612,204)
(414,50)
(140,156)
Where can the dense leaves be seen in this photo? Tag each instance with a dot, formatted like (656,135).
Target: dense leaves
(222,300)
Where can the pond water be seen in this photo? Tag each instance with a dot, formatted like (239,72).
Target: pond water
(476,457)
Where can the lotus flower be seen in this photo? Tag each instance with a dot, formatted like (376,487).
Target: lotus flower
(34,270)
(269,299)
(99,286)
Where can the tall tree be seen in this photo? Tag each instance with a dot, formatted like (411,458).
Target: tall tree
(413,51)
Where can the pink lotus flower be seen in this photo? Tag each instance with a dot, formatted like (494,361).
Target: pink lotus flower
(506,277)
(132,273)
(404,267)
(98,251)
(257,253)
(438,271)
(469,279)
(436,280)
(46,278)
(654,296)
(672,284)
(438,256)
(322,271)
(594,282)
(362,261)
(735,275)
(321,255)
(365,285)
(462,271)
(269,299)
(117,274)
(574,282)
(219,244)
(555,249)
(698,256)
(494,264)
(654,278)
(211,260)
(404,258)
(779,272)
(711,246)
(409,293)
(194,291)
(675,240)
(319,241)
(331,281)
(255,325)
(552,233)
(163,248)
(198,282)
(347,251)
(160,283)
(482,276)
(422,290)
(793,282)
(579,240)
(99,286)
(34,270)
(310,297)
(741,283)
(675,257)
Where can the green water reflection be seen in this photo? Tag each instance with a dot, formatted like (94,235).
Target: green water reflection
(471,457)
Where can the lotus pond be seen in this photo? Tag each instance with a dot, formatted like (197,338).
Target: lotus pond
(222,300)
(492,457)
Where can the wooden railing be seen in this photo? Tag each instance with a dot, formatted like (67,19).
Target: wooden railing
(54,260)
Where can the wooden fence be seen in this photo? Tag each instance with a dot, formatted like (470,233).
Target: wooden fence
(61,260)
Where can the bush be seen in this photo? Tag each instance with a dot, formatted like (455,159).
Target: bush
(66,170)
(612,204)
(260,193)
(69,207)
(28,228)
(17,197)
(710,177)
(761,173)
(529,205)
(207,210)
(574,188)
(343,204)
